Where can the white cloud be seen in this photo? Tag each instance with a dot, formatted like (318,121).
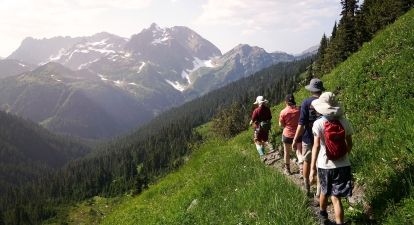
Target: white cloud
(260,15)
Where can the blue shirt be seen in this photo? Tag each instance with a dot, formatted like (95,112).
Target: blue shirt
(308,115)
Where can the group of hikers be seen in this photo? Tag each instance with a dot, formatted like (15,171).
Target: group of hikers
(322,138)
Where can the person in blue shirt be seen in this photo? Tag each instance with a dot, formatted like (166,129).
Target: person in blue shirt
(308,115)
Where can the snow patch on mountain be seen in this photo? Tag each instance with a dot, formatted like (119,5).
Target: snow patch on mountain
(102,77)
(177,85)
(160,35)
(54,78)
(185,74)
(141,67)
(197,64)
(83,66)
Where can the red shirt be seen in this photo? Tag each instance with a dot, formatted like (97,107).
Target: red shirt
(261,113)
(289,117)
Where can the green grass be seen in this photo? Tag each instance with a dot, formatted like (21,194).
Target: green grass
(88,212)
(223,183)
(403,213)
(375,86)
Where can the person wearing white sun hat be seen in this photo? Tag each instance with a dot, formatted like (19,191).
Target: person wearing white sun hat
(261,120)
(331,146)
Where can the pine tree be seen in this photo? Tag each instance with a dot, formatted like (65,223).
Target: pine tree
(333,35)
(346,39)
(320,58)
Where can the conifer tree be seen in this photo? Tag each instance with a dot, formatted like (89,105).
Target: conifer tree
(320,58)
(346,39)
(333,35)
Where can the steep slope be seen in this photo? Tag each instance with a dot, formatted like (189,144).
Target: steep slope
(28,151)
(11,67)
(223,182)
(89,50)
(133,161)
(72,102)
(241,61)
(38,51)
(375,87)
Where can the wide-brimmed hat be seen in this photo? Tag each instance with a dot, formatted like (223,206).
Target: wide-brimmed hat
(260,100)
(315,85)
(327,105)
(290,99)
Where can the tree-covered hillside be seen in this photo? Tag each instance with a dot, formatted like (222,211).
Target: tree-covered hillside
(28,151)
(358,24)
(375,87)
(132,162)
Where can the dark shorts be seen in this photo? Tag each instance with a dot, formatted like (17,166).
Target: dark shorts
(288,140)
(336,182)
(261,135)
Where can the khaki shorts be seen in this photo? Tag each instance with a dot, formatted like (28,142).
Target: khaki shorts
(306,152)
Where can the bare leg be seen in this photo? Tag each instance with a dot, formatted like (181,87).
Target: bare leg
(306,171)
(287,149)
(339,211)
(299,152)
(323,202)
(318,185)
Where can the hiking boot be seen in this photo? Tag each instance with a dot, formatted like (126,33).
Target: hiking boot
(323,217)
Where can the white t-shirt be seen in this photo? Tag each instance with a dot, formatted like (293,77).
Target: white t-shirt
(323,161)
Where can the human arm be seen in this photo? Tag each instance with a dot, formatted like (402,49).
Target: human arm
(315,153)
(299,132)
(281,122)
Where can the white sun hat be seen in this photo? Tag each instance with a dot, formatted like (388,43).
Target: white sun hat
(327,105)
(260,100)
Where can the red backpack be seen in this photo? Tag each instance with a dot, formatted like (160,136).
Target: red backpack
(334,139)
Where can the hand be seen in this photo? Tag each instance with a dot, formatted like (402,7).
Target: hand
(312,175)
(294,143)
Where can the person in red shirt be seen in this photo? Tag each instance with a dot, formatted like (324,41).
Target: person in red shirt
(261,119)
(288,119)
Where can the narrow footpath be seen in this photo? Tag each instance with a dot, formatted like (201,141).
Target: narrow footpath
(275,160)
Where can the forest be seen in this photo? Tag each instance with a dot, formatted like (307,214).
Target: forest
(132,162)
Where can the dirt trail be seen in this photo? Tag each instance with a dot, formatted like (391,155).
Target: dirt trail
(275,160)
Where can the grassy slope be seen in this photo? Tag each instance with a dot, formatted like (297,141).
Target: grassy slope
(375,86)
(231,186)
(222,183)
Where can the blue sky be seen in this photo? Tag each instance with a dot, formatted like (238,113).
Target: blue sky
(275,25)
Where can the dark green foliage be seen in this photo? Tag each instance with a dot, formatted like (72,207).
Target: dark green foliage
(231,121)
(356,26)
(375,87)
(131,162)
(28,151)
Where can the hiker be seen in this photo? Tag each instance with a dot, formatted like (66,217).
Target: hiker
(261,118)
(331,146)
(288,120)
(308,115)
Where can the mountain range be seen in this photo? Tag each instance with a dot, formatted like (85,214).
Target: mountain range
(103,85)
